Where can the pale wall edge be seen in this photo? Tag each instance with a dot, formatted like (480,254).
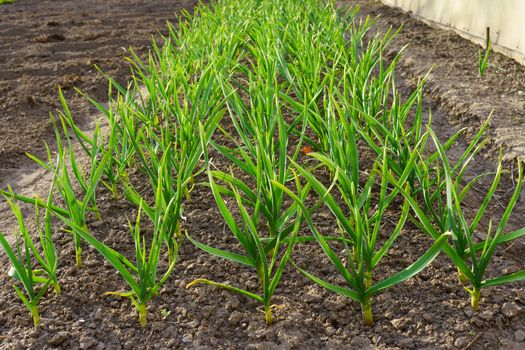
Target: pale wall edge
(470,18)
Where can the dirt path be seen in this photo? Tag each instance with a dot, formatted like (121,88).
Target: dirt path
(47,44)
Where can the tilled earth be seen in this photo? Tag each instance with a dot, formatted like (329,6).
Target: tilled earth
(49,43)
(45,45)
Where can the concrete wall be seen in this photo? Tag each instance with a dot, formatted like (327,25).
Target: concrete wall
(470,18)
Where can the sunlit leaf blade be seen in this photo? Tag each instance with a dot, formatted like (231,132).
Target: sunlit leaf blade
(411,270)
(241,259)
(513,277)
(227,287)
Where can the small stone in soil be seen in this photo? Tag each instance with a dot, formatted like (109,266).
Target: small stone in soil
(399,324)
(511,309)
(58,339)
(187,338)
(98,315)
(87,342)
(193,324)
(427,317)
(461,342)
(519,335)
(487,315)
(376,339)
(235,317)
(35,333)
(449,340)
(129,345)
(329,331)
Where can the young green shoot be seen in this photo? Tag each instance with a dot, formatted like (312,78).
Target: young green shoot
(142,276)
(360,232)
(65,173)
(35,279)
(470,255)
(483,58)
(265,251)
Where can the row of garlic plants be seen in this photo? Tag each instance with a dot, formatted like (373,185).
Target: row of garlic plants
(301,96)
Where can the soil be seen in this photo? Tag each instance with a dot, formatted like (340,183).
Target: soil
(45,45)
(51,43)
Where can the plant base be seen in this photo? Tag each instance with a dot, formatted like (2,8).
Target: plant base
(78,257)
(474,299)
(56,288)
(36,315)
(141,309)
(366,308)
(268,314)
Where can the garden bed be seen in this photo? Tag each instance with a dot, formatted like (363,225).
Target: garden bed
(430,310)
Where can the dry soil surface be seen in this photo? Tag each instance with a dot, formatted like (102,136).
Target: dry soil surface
(49,43)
